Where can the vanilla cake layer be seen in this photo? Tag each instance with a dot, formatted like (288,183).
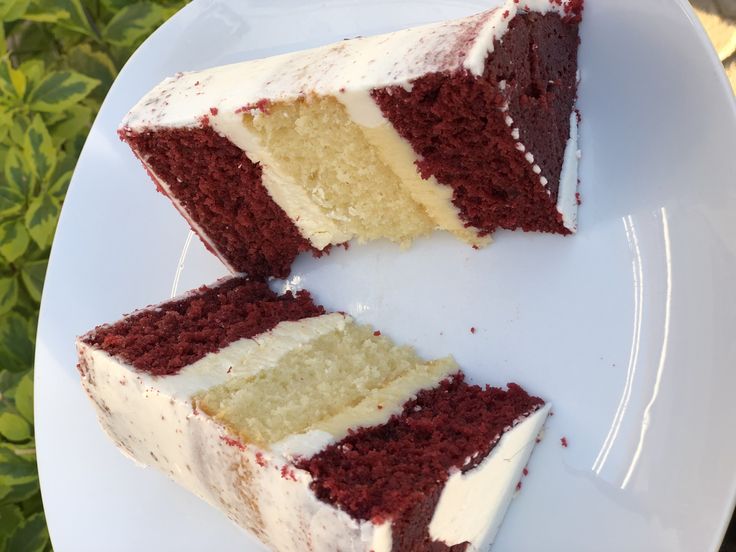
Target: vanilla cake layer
(465,126)
(264,426)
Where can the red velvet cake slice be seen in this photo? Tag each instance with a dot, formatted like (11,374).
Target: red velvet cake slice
(306,428)
(466,125)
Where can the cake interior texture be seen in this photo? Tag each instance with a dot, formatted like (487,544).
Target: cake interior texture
(314,141)
(461,126)
(163,340)
(396,471)
(340,379)
(220,189)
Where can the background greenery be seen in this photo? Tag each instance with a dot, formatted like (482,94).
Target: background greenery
(57,60)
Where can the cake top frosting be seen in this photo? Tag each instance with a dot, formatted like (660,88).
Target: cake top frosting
(355,65)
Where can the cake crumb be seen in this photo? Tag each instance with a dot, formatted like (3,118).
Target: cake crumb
(563,442)
(260,460)
(577,198)
(213,110)
(232,442)
(472,329)
(377,333)
(525,471)
(518,486)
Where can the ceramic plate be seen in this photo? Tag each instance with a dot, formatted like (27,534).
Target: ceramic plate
(627,327)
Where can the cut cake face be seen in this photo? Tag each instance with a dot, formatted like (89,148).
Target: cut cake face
(306,428)
(465,126)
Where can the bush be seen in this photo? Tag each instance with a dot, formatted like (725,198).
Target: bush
(57,60)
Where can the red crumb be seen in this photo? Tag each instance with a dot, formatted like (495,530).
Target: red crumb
(260,460)
(518,486)
(525,472)
(213,110)
(287,473)
(538,440)
(551,413)
(506,14)
(232,442)
(577,198)
(563,441)
(476,247)
(204,120)
(472,329)
(377,333)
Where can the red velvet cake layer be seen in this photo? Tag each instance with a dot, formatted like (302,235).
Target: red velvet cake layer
(397,470)
(163,339)
(456,126)
(220,189)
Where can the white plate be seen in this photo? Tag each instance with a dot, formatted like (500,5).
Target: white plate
(627,327)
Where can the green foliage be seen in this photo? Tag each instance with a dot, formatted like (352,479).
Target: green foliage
(58,58)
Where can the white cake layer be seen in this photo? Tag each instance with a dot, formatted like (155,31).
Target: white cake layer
(153,420)
(347,70)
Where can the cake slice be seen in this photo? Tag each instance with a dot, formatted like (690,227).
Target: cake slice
(306,428)
(466,126)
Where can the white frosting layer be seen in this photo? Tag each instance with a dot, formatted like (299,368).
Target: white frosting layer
(360,64)
(567,197)
(473,504)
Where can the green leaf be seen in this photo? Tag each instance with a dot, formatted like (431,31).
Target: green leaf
(78,121)
(34,70)
(93,63)
(41,218)
(16,343)
(8,294)
(59,90)
(14,427)
(44,11)
(19,492)
(59,187)
(39,150)
(14,239)
(15,470)
(32,536)
(134,22)
(12,83)
(17,184)
(68,14)
(18,131)
(10,518)
(32,274)
(10,10)
(24,397)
